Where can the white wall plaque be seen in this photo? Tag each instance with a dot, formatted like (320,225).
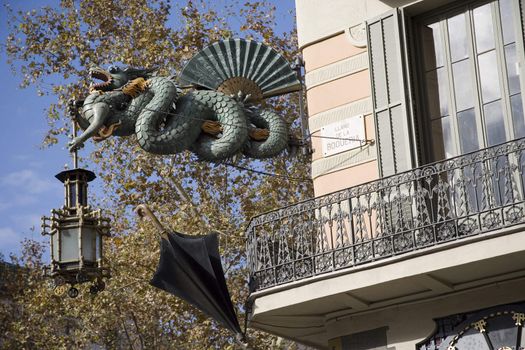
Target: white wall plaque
(343,135)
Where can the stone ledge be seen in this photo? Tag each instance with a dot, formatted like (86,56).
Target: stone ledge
(363,106)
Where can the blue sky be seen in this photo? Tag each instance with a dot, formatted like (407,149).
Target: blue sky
(28,188)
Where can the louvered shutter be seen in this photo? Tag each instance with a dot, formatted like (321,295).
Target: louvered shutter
(393,130)
(522,7)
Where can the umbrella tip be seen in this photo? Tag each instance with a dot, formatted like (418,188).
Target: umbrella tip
(142,211)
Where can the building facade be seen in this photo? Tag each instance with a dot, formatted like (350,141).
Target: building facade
(415,238)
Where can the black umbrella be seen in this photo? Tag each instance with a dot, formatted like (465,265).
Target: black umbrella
(190,268)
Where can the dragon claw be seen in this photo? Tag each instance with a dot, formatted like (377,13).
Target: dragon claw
(241,98)
(75,144)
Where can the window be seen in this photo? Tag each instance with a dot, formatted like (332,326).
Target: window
(471,68)
(502,329)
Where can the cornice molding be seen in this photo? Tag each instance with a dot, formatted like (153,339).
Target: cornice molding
(336,70)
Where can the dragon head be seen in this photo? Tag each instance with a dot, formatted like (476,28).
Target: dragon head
(116,77)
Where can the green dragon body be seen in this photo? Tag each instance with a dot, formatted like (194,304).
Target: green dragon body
(132,101)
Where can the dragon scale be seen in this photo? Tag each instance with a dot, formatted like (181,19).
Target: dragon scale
(216,121)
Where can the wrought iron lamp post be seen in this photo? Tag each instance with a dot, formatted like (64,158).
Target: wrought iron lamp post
(76,235)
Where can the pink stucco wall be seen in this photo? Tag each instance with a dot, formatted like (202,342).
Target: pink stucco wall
(332,94)
(329,51)
(345,178)
(338,92)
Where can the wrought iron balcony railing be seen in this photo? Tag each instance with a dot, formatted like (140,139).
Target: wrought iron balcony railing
(445,201)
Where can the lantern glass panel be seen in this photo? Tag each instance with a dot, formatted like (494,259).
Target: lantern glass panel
(69,244)
(99,247)
(54,243)
(72,194)
(89,243)
(81,194)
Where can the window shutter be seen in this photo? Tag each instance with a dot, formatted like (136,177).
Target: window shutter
(522,8)
(388,80)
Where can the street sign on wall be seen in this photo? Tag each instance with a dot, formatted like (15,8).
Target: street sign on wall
(343,135)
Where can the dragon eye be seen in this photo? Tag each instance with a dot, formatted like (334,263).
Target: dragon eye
(113,69)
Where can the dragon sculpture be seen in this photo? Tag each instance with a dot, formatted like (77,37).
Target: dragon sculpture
(216,120)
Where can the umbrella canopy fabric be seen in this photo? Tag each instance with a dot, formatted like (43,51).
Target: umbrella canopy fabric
(190,268)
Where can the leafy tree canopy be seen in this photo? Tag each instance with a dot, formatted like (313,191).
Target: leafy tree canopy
(58,44)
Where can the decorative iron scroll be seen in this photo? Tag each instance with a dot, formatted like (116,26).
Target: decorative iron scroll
(445,201)
(498,328)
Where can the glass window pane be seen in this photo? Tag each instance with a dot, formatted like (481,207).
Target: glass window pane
(457,32)
(468,131)
(69,244)
(442,138)
(512,69)
(517,116)
(489,76)
(484,30)
(437,93)
(463,85)
(443,91)
(494,123)
(432,46)
(432,89)
(507,21)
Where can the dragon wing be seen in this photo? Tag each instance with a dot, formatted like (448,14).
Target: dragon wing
(234,65)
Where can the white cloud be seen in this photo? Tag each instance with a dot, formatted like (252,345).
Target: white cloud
(22,188)
(27,220)
(9,239)
(21,157)
(18,200)
(29,160)
(27,180)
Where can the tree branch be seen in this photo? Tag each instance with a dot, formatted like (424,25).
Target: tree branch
(138,330)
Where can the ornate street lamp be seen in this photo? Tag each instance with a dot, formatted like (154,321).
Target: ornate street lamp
(76,233)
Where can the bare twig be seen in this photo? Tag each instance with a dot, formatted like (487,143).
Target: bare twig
(138,330)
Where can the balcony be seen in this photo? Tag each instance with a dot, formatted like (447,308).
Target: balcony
(438,206)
